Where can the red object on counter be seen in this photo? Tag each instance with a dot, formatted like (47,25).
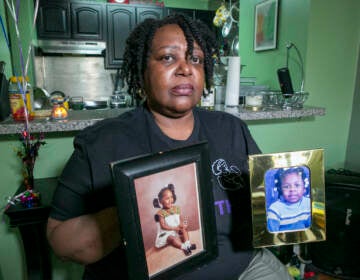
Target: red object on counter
(309,274)
(119,1)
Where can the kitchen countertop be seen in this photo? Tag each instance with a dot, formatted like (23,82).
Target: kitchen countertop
(78,120)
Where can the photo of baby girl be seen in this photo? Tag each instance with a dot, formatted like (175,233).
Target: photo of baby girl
(171,224)
(169,212)
(288,199)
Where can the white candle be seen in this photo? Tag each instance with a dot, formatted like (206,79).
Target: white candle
(253,100)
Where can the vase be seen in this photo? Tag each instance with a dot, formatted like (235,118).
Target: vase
(30,197)
(29,174)
(29,182)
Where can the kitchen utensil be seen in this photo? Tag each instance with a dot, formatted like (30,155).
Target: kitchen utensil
(221,14)
(273,100)
(295,100)
(58,96)
(96,103)
(59,112)
(231,19)
(118,100)
(227,27)
(235,46)
(41,99)
(42,113)
(76,103)
(234,12)
(254,102)
(57,93)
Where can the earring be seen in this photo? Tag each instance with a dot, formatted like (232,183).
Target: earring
(141,93)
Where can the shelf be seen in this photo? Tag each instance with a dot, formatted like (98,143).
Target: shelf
(78,120)
(248,115)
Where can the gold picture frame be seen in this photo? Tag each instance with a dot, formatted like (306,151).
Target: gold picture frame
(294,218)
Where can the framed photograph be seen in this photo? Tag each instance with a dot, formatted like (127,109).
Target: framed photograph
(266,20)
(288,197)
(166,211)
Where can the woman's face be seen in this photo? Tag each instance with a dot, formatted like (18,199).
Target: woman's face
(167,199)
(174,81)
(292,187)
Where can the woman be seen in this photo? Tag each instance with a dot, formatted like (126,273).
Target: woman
(167,62)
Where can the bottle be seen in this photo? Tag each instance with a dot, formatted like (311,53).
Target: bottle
(219,78)
(4,100)
(59,111)
(17,102)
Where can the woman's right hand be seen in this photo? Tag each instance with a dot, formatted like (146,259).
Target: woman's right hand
(85,239)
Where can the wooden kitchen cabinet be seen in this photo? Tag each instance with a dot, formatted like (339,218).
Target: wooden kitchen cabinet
(95,21)
(188,12)
(207,17)
(53,20)
(87,21)
(143,13)
(70,20)
(203,15)
(121,20)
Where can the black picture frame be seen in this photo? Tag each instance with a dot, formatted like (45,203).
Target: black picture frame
(137,181)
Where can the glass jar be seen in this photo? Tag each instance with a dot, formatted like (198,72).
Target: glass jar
(21,93)
(59,111)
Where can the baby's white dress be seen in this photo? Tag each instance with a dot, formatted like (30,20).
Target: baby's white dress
(172,219)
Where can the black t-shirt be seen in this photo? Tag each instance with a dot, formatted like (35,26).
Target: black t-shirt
(85,185)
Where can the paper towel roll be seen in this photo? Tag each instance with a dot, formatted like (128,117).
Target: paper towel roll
(233,82)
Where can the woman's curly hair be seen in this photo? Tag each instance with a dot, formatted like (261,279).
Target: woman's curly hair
(138,46)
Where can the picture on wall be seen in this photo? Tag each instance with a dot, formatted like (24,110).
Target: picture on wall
(265,25)
(287,197)
(163,204)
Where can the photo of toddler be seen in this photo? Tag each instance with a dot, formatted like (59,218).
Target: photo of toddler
(292,208)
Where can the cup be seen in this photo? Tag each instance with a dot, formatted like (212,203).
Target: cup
(76,102)
(117,101)
(253,102)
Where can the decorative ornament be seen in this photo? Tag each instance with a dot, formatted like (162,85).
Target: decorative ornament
(221,15)
(28,199)
(30,144)
(28,152)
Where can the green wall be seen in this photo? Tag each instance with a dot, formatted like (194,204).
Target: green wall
(328,33)
(22,43)
(292,27)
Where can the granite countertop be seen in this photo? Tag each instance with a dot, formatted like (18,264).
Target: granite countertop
(78,120)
